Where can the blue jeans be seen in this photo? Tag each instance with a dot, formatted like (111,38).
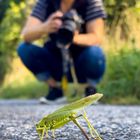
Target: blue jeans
(46,62)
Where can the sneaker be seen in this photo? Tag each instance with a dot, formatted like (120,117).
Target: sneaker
(90,90)
(54,96)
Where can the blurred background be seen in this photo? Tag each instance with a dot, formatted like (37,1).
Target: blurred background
(121,83)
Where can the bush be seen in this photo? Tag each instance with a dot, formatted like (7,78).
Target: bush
(122,77)
(10,28)
(3,67)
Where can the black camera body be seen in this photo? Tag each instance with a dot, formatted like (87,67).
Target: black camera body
(71,22)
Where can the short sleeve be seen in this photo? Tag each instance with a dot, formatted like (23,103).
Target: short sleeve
(40,10)
(94,9)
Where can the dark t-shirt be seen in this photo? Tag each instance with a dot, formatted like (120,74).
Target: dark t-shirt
(87,9)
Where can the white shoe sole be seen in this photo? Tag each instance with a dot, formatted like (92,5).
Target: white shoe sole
(62,100)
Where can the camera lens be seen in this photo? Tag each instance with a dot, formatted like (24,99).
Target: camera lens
(66,32)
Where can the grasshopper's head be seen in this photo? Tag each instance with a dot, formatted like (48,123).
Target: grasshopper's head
(38,126)
(39,129)
(91,99)
(41,125)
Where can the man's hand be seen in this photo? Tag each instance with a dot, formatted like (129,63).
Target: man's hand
(35,28)
(53,23)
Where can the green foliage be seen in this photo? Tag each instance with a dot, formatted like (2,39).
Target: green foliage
(10,29)
(122,77)
(118,12)
(4,68)
(116,8)
(3,6)
(30,90)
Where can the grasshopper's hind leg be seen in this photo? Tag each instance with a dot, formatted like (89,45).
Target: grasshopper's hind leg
(84,133)
(91,128)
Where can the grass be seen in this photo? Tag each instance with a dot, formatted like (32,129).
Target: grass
(30,90)
(121,81)
(20,83)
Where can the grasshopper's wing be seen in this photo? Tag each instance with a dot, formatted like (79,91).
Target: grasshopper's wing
(77,105)
(81,103)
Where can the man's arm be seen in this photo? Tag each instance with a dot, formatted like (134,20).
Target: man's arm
(94,35)
(35,28)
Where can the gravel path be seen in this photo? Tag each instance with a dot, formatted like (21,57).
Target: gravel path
(112,122)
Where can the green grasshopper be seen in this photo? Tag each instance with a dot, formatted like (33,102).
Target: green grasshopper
(66,114)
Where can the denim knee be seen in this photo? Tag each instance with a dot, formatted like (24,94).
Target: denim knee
(25,53)
(23,49)
(92,63)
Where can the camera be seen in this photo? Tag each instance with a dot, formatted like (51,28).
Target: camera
(71,22)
